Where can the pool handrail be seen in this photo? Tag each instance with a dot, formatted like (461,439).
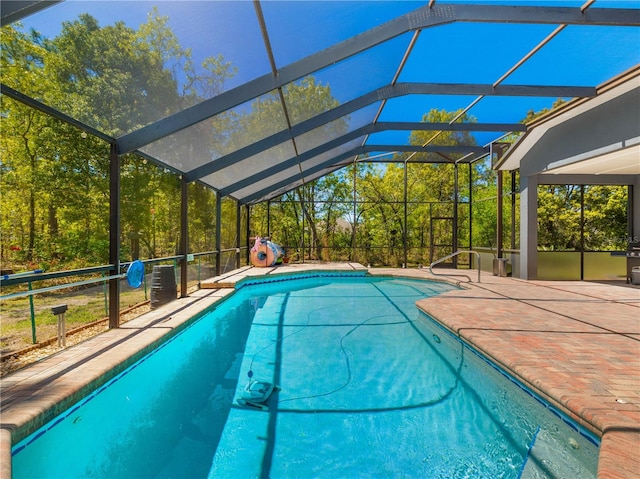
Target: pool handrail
(451,256)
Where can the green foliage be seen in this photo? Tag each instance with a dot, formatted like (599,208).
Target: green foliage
(430,182)
(605,217)
(55,179)
(532,115)
(559,218)
(318,204)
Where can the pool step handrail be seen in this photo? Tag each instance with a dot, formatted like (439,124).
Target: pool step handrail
(451,256)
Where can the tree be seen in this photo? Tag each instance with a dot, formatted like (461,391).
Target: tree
(430,194)
(484,212)
(605,217)
(559,218)
(115,79)
(304,99)
(26,167)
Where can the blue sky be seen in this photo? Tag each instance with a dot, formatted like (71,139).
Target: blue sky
(455,53)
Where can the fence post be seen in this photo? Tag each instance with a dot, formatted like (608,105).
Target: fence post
(238,232)
(184,237)
(106,296)
(33,316)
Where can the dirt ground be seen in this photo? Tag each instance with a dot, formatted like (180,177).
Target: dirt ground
(16,324)
(85,305)
(20,358)
(16,348)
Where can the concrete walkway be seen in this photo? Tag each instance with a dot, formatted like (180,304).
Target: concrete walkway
(576,343)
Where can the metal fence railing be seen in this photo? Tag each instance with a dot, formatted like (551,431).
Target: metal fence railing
(27,297)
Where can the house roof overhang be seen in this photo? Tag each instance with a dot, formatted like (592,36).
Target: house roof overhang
(595,136)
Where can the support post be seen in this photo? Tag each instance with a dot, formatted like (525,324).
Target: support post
(499,215)
(513,210)
(218,233)
(431,234)
(456,194)
(184,236)
(634,208)
(581,232)
(404,235)
(248,232)
(114,236)
(32,316)
(471,211)
(630,214)
(528,226)
(238,232)
(302,232)
(354,254)
(496,152)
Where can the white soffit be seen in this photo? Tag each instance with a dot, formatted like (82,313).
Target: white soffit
(619,162)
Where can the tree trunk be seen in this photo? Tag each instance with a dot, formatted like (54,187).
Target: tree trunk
(32,224)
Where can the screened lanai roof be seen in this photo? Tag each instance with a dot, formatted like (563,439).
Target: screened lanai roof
(310,87)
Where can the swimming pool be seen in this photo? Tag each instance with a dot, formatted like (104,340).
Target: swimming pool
(369,387)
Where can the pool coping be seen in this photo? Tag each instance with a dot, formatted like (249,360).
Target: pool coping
(32,396)
(65,377)
(599,391)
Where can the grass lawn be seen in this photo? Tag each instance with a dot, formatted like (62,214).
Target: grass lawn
(84,306)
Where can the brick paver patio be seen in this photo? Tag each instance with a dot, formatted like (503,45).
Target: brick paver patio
(576,343)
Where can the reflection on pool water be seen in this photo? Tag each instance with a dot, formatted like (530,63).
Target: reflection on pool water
(368,387)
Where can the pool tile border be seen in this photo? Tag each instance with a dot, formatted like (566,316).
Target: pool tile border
(129,365)
(574,425)
(36,394)
(600,355)
(28,399)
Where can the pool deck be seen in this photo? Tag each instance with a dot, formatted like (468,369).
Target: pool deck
(575,343)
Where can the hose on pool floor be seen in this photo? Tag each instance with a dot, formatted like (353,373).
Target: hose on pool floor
(346,359)
(302,328)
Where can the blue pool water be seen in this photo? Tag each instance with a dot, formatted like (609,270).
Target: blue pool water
(369,387)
